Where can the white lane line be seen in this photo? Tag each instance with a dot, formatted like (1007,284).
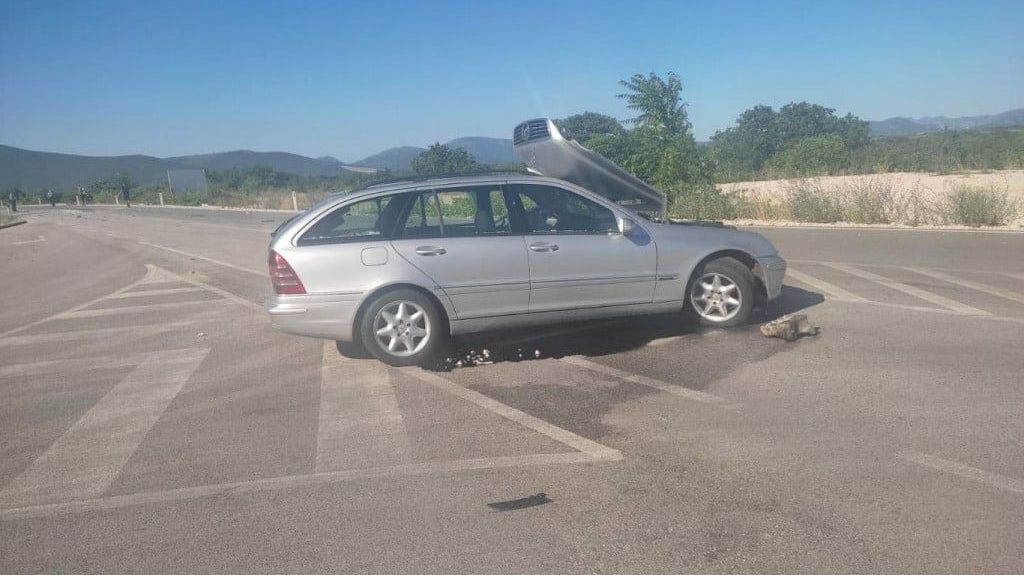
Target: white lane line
(360,423)
(965,471)
(984,288)
(664,341)
(825,287)
(909,289)
(155,292)
(291,481)
(135,309)
(72,365)
(222,293)
(592,449)
(135,331)
(35,241)
(677,390)
(204,258)
(84,461)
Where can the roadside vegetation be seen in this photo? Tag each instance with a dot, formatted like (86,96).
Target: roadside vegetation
(798,142)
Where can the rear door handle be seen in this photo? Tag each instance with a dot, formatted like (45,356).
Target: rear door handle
(431,251)
(543,247)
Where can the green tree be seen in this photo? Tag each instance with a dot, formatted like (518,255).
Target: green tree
(657,103)
(588,125)
(440,159)
(812,156)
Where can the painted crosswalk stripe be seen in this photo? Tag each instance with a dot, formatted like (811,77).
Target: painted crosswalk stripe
(1003,482)
(360,423)
(155,292)
(135,309)
(677,390)
(984,288)
(823,286)
(919,293)
(84,461)
(135,331)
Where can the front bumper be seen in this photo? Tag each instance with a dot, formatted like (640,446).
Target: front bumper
(328,316)
(774,271)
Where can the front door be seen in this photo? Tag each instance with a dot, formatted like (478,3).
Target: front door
(578,258)
(462,238)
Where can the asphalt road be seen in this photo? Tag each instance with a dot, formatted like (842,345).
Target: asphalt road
(152,421)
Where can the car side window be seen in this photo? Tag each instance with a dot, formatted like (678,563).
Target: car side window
(360,221)
(423,219)
(551,210)
(474,211)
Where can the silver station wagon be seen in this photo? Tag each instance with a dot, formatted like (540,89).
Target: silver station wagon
(395,269)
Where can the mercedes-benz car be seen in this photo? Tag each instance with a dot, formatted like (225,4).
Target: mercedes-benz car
(395,269)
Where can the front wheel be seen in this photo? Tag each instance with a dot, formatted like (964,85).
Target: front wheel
(721,293)
(402,327)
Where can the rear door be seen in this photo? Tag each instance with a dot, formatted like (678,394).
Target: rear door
(462,238)
(578,258)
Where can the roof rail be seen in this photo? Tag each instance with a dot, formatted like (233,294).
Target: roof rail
(424,178)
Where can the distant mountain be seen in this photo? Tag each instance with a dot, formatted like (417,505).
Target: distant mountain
(31,171)
(279,161)
(901,126)
(489,151)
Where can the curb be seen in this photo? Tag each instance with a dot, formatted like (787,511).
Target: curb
(12,224)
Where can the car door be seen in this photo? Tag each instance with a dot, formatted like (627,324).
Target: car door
(578,258)
(461,237)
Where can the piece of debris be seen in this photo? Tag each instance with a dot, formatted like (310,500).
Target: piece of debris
(790,327)
(201,334)
(531,501)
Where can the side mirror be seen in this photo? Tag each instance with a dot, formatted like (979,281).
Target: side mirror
(627,226)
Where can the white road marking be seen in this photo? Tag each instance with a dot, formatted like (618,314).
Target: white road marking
(222,293)
(291,481)
(825,287)
(35,241)
(909,289)
(84,461)
(135,309)
(984,288)
(72,365)
(592,449)
(360,422)
(135,331)
(965,471)
(155,292)
(677,390)
(664,341)
(204,258)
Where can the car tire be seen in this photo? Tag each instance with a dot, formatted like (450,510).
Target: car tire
(403,327)
(721,293)
(352,349)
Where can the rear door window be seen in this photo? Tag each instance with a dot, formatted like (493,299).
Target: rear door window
(423,219)
(361,221)
(474,211)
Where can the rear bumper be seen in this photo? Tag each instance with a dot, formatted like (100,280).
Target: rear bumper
(774,273)
(329,316)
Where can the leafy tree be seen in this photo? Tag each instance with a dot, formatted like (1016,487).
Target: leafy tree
(440,159)
(588,125)
(812,156)
(761,132)
(121,182)
(657,103)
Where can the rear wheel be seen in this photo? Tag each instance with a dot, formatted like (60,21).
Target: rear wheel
(402,327)
(721,293)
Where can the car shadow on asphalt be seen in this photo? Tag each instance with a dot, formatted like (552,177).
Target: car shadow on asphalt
(602,337)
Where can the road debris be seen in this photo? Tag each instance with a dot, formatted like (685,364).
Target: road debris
(790,327)
(531,501)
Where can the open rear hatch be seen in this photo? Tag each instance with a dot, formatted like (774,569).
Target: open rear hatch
(544,150)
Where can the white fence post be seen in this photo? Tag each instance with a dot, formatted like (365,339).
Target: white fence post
(295,202)
(116,200)
(161,198)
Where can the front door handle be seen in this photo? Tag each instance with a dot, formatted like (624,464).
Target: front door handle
(543,247)
(431,251)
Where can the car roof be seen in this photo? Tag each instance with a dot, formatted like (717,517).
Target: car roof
(459,179)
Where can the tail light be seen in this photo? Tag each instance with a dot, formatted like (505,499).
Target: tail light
(284,278)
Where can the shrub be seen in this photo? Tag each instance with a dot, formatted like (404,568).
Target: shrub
(701,203)
(978,206)
(808,201)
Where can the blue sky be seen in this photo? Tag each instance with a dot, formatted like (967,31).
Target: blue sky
(351,78)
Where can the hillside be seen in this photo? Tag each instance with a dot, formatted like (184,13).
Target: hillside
(31,171)
(490,151)
(901,126)
(279,161)
(395,159)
